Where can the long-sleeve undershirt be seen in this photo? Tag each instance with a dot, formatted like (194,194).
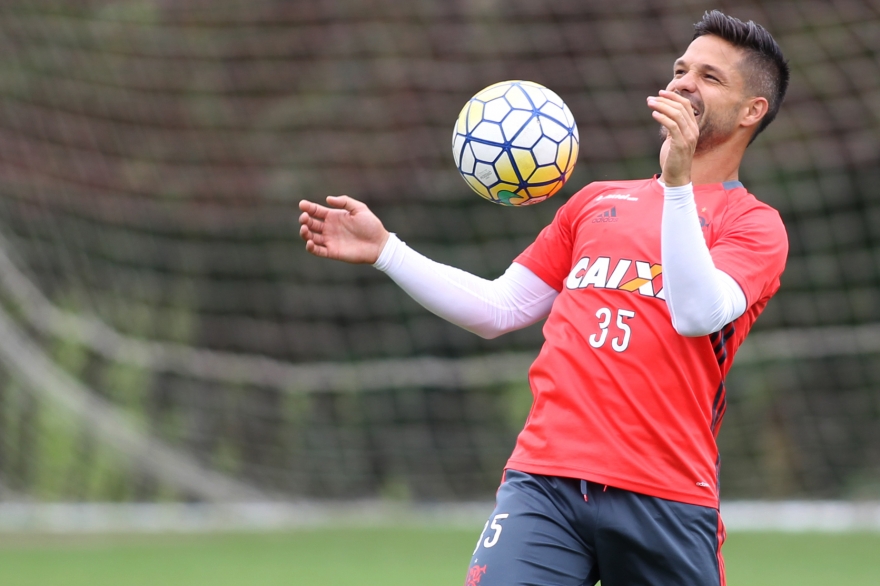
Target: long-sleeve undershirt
(514,300)
(701,299)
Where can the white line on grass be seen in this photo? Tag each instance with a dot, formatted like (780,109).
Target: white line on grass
(94,518)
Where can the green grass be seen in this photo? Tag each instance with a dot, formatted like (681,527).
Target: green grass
(386,557)
(808,559)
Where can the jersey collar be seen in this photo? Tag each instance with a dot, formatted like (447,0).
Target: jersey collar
(726,185)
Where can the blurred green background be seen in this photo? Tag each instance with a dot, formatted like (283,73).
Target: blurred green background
(164,338)
(157,297)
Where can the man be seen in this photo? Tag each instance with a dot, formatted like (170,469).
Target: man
(615,475)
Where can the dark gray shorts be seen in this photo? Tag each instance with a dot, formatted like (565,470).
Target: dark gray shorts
(552,531)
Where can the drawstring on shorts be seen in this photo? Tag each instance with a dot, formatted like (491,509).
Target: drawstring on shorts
(585,492)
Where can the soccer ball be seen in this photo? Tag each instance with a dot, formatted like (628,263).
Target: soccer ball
(515,143)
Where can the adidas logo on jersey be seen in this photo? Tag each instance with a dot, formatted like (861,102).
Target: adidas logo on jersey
(599,275)
(606,216)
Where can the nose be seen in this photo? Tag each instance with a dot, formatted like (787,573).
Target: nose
(684,83)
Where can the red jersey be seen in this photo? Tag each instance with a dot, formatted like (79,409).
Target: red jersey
(620,398)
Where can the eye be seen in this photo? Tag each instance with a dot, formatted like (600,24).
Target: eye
(711,77)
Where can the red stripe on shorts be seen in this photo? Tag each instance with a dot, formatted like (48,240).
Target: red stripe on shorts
(722,536)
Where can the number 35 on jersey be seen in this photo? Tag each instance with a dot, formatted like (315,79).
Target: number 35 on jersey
(637,276)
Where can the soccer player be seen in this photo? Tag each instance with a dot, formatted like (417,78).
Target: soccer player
(648,287)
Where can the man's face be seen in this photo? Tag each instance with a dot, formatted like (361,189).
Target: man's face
(709,77)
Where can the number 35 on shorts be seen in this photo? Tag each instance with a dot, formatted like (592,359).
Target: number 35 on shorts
(495,524)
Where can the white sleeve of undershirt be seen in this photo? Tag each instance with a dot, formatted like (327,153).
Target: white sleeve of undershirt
(514,300)
(701,298)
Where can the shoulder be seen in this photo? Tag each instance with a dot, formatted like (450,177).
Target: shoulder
(752,225)
(744,207)
(736,208)
(751,244)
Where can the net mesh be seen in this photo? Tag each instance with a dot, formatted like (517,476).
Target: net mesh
(164,336)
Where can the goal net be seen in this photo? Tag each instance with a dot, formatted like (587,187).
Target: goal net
(165,337)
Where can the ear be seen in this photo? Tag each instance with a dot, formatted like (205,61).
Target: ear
(754,111)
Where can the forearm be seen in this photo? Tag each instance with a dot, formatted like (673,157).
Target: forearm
(487,308)
(701,299)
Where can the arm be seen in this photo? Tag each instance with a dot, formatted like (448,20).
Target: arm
(516,299)
(347,230)
(701,299)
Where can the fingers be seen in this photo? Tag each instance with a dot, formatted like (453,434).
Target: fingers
(306,234)
(311,222)
(346,203)
(314,241)
(311,219)
(680,114)
(677,98)
(673,126)
(320,212)
(310,226)
(313,248)
(314,210)
(673,110)
(673,100)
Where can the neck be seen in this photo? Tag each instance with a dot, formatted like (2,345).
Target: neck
(718,164)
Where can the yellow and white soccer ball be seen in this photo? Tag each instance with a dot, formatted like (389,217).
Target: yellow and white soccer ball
(515,143)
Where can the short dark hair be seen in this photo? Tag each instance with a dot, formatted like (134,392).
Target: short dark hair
(766,70)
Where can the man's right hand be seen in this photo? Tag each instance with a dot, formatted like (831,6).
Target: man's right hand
(347,230)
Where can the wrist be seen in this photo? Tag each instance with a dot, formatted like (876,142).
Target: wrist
(387,251)
(675,180)
(382,242)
